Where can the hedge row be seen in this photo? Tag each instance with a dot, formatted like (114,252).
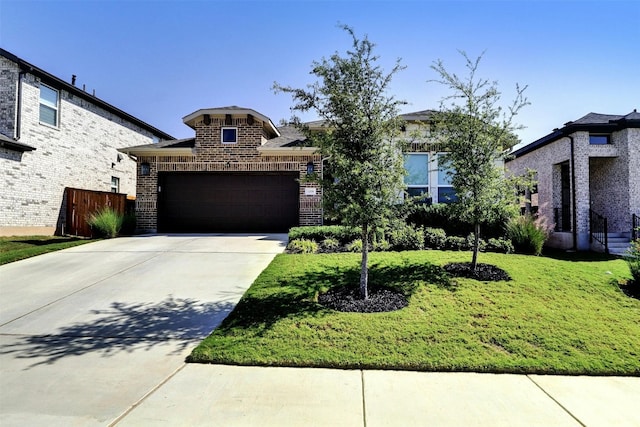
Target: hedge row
(329,239)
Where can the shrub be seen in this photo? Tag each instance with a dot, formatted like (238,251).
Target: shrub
(456,243)
(341,233)
(435,238)
(355,246)
(500,245)
(302,246)
(444,216)
(106,221)
(330,245)
(527,235)
(381,245)
(405,237)
(633,260)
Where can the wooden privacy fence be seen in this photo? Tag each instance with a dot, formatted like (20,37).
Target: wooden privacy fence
(82,203)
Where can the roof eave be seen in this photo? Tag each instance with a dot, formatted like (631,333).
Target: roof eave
(288,151)
(59,83)
(156,151)
(188,120)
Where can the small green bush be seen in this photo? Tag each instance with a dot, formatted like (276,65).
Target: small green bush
(381,245)
(355,246)
(106,221)
(456,243)
(500,245)
(404,237)
(434,238)
(341,233)
(633,260)
(330,245)
(302,246)
(527,235)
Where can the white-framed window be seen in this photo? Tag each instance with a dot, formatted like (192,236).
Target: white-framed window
(229,135)
(417,177)
(446,193)
(49,105)
(115,184)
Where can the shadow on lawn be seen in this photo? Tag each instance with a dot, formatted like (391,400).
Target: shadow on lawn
(296,295)
(125,328)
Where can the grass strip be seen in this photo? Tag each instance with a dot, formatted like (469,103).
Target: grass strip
(559,315)
(15,248)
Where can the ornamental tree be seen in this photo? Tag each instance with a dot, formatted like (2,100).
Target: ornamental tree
(477,134)
(360,120)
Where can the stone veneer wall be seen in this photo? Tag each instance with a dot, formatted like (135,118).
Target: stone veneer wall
(211,155)
(79,153)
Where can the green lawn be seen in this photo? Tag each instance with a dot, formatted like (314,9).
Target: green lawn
(561,315)
(17,248)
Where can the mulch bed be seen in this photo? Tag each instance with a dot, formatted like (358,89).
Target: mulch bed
(484,272)
(631,289)
(347,299)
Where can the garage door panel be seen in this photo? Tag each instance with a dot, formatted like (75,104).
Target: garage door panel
(213,202)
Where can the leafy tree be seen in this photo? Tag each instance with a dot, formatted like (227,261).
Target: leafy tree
(477,134)
(360,119)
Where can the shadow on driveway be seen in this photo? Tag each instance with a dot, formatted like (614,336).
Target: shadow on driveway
(125,327)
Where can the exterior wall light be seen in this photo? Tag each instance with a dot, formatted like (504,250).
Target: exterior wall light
(310,168)
(145,169)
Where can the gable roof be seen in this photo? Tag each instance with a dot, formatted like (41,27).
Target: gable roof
(189,120)
(592,122)
(58,83)
(177,147)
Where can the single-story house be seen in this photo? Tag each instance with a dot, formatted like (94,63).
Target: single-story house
(241,173)
(588,172)
(55,135)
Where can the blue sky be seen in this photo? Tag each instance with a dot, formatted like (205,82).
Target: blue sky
(162,60)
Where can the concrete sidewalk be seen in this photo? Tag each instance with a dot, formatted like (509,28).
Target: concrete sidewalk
(97,335)
(217,395)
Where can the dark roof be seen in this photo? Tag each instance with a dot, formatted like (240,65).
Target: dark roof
(423,115)
(61,84)
(592,122)
(290,136)
(175,143)
(12,144)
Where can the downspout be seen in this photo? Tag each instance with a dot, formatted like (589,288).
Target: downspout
(574,225)
(19,106)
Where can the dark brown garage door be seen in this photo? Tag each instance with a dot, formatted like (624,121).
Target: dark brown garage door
(215,202)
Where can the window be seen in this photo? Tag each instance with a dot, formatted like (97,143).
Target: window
(446,193)
(229,135)
(417,177)
(598,139)
(48,105)
(115,184)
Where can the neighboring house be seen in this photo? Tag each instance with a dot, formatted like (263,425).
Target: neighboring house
(238,174)
(587,171)
(54,135)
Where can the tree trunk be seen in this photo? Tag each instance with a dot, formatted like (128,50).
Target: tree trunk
(476,244)
(364,268)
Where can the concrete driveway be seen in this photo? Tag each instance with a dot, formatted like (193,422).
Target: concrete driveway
(88,332)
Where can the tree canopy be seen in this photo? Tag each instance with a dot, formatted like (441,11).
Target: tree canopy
(360,120)
(477,134)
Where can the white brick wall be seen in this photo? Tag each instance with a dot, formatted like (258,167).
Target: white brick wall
(78,153)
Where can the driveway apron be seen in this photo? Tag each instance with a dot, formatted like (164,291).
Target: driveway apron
(88,332)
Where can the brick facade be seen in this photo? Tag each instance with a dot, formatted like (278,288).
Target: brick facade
(81,151)
(605,176)
(209,154)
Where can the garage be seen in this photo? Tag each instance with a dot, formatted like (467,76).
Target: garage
(193,202)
